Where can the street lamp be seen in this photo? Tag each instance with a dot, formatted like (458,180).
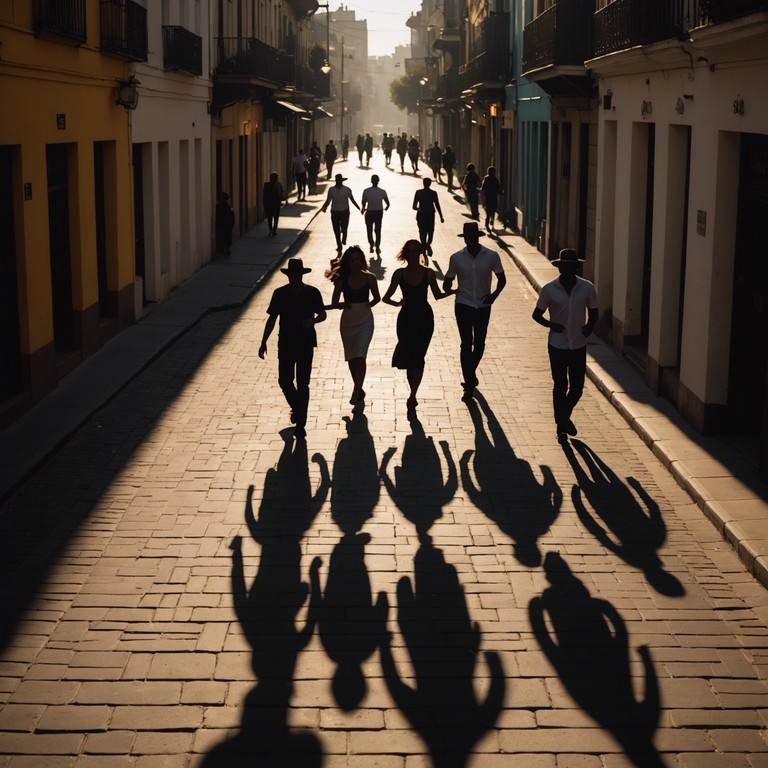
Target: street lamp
(326,68)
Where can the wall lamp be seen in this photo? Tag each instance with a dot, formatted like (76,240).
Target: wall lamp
(738,106)
(127,93)
(646,108)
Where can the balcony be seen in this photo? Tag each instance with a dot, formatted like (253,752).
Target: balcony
(719,11)
(247,58)
(63,19)
(448,87)
(182,51)
(303,8)
(627,23)
(489,70)
(124,29)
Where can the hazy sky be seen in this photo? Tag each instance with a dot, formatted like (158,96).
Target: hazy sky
(386,22)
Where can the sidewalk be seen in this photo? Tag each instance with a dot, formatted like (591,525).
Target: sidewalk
(717,473)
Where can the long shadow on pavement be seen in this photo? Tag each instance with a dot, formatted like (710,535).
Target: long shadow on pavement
(632,530)
(350,625)
(586,641)
(504,487)
(267,613)
(440,638)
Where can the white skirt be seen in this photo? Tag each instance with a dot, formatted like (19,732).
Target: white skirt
(356,328)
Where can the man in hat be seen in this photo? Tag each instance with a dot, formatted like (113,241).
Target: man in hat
(569,298)
(473,265)
(339,198)
(300,309)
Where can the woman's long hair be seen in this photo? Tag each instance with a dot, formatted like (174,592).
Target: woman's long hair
(340,267)
(401,253)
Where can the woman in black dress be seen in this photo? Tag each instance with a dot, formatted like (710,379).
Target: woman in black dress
(415,323)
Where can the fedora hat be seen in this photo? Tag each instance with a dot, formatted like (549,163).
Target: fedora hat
(339,177)
(567,256)
(471,228)
(295,267)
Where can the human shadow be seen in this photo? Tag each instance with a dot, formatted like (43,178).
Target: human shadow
(418,489)
(628,524)
(350,625)
(443,644)
(268,613)
(504,487)
(376,267)
(586,641)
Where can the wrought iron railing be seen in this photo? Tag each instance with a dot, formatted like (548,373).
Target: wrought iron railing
(492,62)
(626,23)
(718,11)
(64,18)
(247,57)
(182,50)
(124,29)
(562,35)
(448,85)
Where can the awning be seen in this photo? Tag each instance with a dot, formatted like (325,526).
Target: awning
(321,112)
(292,107)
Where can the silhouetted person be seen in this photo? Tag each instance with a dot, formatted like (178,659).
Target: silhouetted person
(413,153)
(345,147)
(360,147)
(330,157)
(225,222)
(368,147)
(491,189)
(425,203)
(299,308)
(471,186)
(300,164)
(272,197)
(473,266)
(402,150)
(339,197)
(449,163)
(373,201)
(435,160)
(570,301)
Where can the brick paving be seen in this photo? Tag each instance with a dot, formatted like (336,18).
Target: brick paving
(187,587)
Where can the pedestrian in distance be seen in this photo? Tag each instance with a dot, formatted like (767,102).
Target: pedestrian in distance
(224,224)
(355,292)
(368,147)
(272,197)
(339,197)
(425,203)
(388,144)
(374,199)
(330,157)
(360,147)
(300,308)
(435,158)
(402,150)
(415,321)
(471,185)
(491,189)
(569,300)
(345,146)
(300,164)
(473,267)
(413,153)
(313,171)
(449,163)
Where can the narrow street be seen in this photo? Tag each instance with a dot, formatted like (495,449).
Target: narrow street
(187,586)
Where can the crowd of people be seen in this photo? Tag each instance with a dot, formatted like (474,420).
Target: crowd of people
(568,300)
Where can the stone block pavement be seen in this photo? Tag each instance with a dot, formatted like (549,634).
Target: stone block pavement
(187,586)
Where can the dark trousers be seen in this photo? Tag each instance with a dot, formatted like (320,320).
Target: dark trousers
(373,224)
(294,369)
(340,222)
(301,185)
(273,216)
(473,328)
(449,173)
(472,201)
(569,367)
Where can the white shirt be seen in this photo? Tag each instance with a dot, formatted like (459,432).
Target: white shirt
(339,197)
(373,198)
(300,164)
(569,311)
(474,274)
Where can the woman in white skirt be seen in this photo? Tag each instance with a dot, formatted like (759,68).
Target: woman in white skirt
(359,290)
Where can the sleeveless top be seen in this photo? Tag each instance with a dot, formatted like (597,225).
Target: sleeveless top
(414,295)
(356,295)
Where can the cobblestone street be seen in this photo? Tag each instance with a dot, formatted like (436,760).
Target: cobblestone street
(187,586)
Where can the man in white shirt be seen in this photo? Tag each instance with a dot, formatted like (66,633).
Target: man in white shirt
(473,265)
(568,298)
(339,198)
(374,198)
(300,174)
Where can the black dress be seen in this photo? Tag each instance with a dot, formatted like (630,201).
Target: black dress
(415,325)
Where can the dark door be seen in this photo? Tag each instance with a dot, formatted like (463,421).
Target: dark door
(10,347)
(101,228)
(749,333)
(138,218)
(60,254)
